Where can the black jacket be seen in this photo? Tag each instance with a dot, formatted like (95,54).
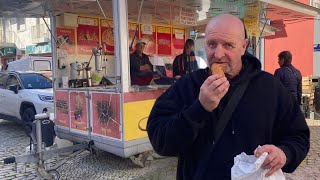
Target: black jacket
(140,77)
(291,78)
(179,126)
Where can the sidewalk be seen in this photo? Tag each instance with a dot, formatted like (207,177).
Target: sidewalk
(312,122)
(309,169)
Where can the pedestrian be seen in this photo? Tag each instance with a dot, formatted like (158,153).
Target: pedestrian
(185,62)
(289,75)
(206,119)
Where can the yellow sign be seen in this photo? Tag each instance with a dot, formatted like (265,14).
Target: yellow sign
(88,21)
(132,26)
(104,23)
(251,19)
(165,30)
(252,26)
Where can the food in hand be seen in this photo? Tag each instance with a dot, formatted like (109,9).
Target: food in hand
(218,69)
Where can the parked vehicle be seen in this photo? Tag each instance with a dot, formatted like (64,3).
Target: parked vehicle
(24,94)
(32,63)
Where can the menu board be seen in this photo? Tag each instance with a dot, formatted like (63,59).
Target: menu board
(148,35)
(132,28)
(66,39)
(178,40)
(87,34)
(164,40)
(62,108)
(107,35)
(78,111)
(106,114)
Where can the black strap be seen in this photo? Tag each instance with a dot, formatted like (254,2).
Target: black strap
(293,73)
(222,123)
(229,109)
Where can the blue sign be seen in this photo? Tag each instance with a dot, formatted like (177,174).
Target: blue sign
(317,47)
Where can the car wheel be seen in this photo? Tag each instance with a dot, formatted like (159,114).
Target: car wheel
(28,115)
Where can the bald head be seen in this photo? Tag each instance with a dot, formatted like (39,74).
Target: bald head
(226,23)
(225,43)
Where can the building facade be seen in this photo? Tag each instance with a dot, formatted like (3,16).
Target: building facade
(23,36)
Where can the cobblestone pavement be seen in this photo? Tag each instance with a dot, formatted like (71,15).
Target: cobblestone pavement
(103,165)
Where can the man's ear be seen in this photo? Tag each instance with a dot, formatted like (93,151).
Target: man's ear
(245,46)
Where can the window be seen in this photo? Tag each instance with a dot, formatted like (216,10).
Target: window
(35,81)
(12,81)
(3,78)
(39,65)
(21,24)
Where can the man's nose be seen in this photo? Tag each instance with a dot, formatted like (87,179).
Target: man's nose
(219,52)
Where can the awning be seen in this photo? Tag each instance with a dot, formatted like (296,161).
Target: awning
(39,49)
(8,51)
(284,9)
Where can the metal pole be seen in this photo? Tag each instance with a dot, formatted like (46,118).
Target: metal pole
(120,23)
(54,49)
(137,25)
(39,141)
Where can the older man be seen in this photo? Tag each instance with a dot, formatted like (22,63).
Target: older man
(141,69)
(206,119)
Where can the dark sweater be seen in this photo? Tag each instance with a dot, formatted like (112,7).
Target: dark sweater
(182,65)
(291,79)
(179,126)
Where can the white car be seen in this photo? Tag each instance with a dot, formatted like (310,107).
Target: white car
(24,94)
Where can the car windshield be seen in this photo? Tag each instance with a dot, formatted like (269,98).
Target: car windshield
(35,81)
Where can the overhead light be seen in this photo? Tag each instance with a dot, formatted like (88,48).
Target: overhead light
(284,13)
(215,9)
(297,16)
(269,9)
(235,13)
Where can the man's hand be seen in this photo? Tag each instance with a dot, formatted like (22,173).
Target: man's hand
(212,91)
(275,160)
(145,68)
(177,77)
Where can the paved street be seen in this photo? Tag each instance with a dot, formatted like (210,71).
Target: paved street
(104,165)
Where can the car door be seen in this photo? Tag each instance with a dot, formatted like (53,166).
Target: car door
(3,79)
(12,99)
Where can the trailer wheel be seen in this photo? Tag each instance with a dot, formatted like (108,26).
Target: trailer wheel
(28,115)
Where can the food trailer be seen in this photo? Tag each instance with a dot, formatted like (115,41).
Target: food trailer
(110,114)
(94,98)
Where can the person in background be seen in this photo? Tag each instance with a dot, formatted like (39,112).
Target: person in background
(289,76)
(185,121)
(185,62)
(141,69)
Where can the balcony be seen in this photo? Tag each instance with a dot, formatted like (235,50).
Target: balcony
(7,39)
(10,39)
(40,34)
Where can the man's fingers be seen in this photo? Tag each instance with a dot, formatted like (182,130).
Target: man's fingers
(211,79)
(271,164)
(218,83)
(262,149)
(273,169)
(223,89)
(270,157)
(275,159)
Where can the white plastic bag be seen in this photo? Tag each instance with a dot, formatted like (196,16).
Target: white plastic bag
(248,167)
